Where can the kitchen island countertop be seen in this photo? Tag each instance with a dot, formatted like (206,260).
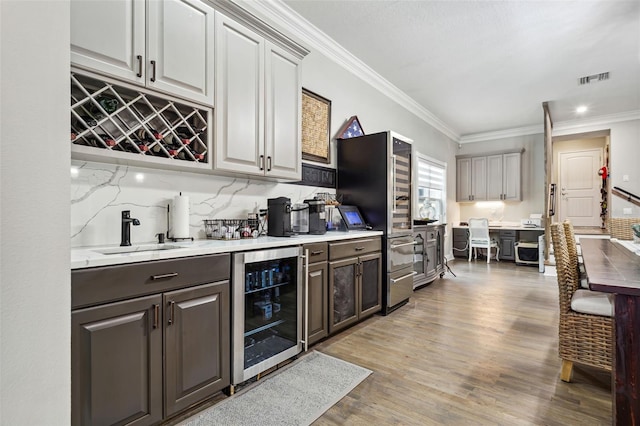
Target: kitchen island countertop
(88,257)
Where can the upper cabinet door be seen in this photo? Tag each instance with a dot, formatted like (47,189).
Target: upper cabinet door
(180,56)
(512,177)
(109,36)
(494,177)
(463,179)
(283,136)
(239,105)
(479,178)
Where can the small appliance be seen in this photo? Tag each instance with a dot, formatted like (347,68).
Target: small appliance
(279,217)
(534,221)
(300,218)
(317,216)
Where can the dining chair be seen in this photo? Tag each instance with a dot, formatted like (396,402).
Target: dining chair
(479,238)
(575,256)
(586,317)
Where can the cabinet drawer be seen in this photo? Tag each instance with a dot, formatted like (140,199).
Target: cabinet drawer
(461,234)
(353,248)
(317,252)
(431,234)
(118,282)
(507,233)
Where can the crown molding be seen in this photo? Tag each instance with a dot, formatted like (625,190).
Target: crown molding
(285,17)
(501,134)
(599,121)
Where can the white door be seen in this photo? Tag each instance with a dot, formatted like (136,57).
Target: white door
(283,139)
(239,97)
(181,49)
(109,37)
(579,186)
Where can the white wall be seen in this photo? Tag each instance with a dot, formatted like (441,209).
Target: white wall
(532,179)
(34,213)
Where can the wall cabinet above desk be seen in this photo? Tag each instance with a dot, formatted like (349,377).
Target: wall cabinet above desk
(494,177)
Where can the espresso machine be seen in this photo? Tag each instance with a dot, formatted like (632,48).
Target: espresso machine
(317,216)
(279,217)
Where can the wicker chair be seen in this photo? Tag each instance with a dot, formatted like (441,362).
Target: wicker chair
(582,338)
(574,254)
(620,227)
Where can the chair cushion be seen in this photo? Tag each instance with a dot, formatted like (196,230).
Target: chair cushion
(592,302)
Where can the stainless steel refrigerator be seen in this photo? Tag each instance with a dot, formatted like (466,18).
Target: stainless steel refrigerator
(374,174)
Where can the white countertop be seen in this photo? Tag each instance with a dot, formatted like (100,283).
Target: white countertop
(89,257)
(507,226)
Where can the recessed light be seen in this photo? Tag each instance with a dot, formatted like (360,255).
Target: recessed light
(581,109)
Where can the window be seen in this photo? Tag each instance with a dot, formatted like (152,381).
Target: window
(431,188)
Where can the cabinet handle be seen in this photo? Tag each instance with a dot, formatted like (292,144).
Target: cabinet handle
(153,70)
(269,163)
(156,315)
(412,243)
(139,57)
(172,307)
(359,248)
(161,276)
(317,252)
(262,162)
(393,281)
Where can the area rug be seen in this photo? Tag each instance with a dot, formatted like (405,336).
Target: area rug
(296,395)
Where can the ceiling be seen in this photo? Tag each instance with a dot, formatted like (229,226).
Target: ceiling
(487,66)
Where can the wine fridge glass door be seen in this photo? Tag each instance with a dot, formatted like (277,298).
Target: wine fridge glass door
(267,310)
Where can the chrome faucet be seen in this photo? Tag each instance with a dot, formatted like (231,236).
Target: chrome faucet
(126,227)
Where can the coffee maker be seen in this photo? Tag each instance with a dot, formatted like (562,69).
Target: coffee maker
(279,217)
(317,216)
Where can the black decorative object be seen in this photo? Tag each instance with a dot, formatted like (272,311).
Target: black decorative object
(313,175)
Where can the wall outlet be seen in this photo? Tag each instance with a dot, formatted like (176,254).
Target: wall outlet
(627,210)
(625,178)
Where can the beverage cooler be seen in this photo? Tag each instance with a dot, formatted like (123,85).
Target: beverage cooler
(267,314)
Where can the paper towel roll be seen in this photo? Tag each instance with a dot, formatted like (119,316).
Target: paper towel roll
(180,216)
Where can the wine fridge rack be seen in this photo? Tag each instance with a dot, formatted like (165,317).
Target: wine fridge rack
(135,124)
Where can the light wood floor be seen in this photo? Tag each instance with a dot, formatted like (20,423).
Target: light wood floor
(479,349)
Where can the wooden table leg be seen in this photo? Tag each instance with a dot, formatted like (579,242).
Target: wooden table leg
(626,409)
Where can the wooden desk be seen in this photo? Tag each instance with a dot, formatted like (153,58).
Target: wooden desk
(612,268)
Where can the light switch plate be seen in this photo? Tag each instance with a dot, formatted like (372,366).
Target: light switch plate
(625,178)
(627,210)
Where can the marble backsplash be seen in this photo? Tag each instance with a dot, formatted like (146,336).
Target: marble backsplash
(99,192)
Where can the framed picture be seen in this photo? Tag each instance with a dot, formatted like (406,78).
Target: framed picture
(351,128)
(316,123)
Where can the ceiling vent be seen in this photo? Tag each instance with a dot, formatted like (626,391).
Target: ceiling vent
(593,78)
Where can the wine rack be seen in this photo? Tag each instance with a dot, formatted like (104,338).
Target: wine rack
(113,120)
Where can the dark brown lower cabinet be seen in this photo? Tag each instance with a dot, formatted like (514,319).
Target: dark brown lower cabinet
(116,363)
(196,343)
(318,304)
(118,372)
(355,282)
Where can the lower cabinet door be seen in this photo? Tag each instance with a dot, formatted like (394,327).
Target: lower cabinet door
(370,284)
(317,302)
(116,363)
(197,345)
(343,293)
(432,261)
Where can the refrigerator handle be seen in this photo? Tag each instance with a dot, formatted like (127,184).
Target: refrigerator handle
(393,182)
(306,299)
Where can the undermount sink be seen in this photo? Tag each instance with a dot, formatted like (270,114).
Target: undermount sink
(137,248)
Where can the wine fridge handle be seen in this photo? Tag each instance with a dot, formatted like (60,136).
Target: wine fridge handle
(306,299)
(393,182)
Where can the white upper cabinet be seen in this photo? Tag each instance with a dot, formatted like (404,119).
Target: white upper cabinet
(283,113)
(174,53)
(258,104)
(495,177)
(109,36)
